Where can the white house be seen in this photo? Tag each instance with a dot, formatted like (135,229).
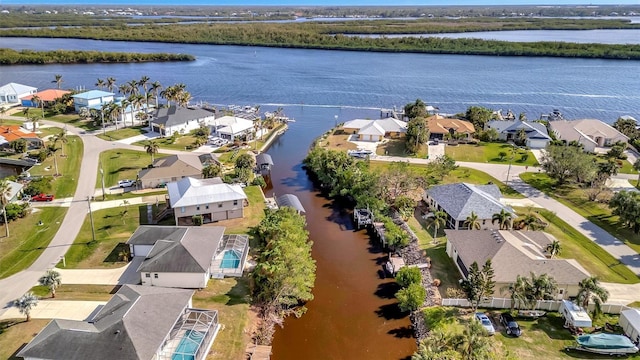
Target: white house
(591,133)
(231,127)
(375,130)
(11,93)
(166,121)
(92,99)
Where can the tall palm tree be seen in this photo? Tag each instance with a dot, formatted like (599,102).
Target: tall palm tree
(144,82)
(100,84)
(62,137)
(554,248)
(155,89)
(26,303)
(590,290)
(503,218)
(5,192)
(151,148)
(34,121)
(183,98)
(3,111)
(168,94)
(133,85)
(211,171)
(124,89)
(472,343)
(472,222)
(115,112)
(52,149)
(543,287)
(518,291)
(52,279)
(437,220)
(58,80)
(35,100)
(111,83)
(636,167)
(136,104)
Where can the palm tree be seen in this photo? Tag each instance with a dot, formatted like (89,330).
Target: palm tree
(151,148)
(34,121)
(52,279)
(473,344)
(155,88)
(100,84)
(58,80)
(518,292)
(133,85)
(52,149)
(38,103)
(124,89)
(543,287)
(554,248)
(5,192)
(3,111)
(25,303)
(62,137)
(183,98)
(472,222)
(636,167)
(136,104)
(144,82)
(503,218)
(211,171)
(437,220)
(590,290)
(111,83)
(25,111)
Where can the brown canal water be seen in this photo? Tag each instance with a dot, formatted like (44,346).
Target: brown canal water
(354,314)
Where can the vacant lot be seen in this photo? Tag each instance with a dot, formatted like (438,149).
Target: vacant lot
(490,152)
(119,164)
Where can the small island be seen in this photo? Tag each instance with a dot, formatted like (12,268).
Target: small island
(30,57)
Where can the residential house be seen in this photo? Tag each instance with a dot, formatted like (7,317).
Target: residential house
(172,168)
(14,167)
(375,130)
(591,133)
(513,253)
(93,99)
(166,121)
(11,93)
(186,256)
(211,198)
(10,133)
(459,200)
(232,127)
(15,193)
(440,127)
(48,97)
(138,322)
(264,162)
(535,134)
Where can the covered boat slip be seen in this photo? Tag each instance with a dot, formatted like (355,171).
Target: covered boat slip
(603,343)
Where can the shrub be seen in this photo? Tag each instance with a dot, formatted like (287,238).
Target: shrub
(15,211)
(411,298)
(38,186)
(408,275)
(197,220)
(259,181)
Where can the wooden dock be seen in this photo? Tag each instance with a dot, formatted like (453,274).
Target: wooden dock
(258,352)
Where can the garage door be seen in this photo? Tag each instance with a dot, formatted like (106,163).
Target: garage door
(217,216)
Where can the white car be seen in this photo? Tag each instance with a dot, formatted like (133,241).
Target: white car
(126,183)
(486,323)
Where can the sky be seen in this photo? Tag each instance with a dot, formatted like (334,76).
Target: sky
(321,2)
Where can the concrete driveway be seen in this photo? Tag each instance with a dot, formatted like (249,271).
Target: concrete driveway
(119,276)
(364,145)
(58,309)
(436,150)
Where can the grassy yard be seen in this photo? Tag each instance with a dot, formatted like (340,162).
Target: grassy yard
(123,133)
(228,157)
(231,298)
(397,147)
(71,119)
(252,213)
(77,292)
(473,176)
(489,152)
(15,333)
(574,198)
(591,256)
(337,140)
(182,143)
(112,227)
(68,167)
(27,239)
(121,164)
(260,142)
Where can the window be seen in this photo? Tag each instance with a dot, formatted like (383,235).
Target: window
(155,276)
(235,202)
(182,209)
(220,205)
(197,207)
(206,206)
(147,275)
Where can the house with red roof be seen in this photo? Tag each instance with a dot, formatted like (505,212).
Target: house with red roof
(10,133)
(48,96)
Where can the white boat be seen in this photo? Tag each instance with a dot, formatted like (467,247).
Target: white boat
(360,153)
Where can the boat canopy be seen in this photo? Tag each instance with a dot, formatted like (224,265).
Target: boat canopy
(605,341)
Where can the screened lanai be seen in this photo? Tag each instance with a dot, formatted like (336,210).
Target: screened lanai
(231,256)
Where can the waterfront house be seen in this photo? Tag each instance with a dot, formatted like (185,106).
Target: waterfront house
(513,253)
(264,162)
(375,130)
(11,93)
(459,200)
(138,322)
(591,133)
(440,127)
(173,168)
(210,198)
(92,99)
(536,134)
(10,133)
(166,121)
(48,97)
(232,127)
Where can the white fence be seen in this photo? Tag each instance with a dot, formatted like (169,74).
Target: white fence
(545,305)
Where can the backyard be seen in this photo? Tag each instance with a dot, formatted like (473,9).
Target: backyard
(252,213)
(14,333)
(490,153)
(119,164)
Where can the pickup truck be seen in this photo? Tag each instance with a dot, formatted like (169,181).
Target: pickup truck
(43,197)
(126,183)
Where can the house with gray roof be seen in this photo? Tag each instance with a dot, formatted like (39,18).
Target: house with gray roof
(11,93)
(173,168)
(172,119)
(139,322)
(211,198)
(513,253)
(375,130)
(459,200)
(591,133)
(536,134)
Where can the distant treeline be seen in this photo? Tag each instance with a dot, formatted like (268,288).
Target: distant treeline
(25,57)
(317,36)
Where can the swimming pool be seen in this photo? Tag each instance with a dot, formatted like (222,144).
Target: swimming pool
(188,346)
(230,260)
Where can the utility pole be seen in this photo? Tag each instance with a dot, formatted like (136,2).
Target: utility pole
(102,177)
(93,230)
(510,162)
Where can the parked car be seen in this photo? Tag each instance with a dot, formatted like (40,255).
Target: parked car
(510,324)
(43,197)
(486,323)
(126,183)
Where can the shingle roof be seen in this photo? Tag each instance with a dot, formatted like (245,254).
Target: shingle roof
(92,94)
(513,253)
(190,191)
(533,130)
(386,125)
(173,115)
(460,199)
(441,125)
(290,200)
(178,248)
(576,129)
(178,166)
(132,325)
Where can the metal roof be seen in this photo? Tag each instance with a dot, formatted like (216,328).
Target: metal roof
(290,200)
(190,192)
(460,199)
(264,158)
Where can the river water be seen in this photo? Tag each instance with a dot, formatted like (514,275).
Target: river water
(353,315)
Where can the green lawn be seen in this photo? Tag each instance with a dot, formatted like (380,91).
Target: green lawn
(397,147)
(68,167)
(27,239)
(183,142)
(253,213)
(123,133)
(591,256)
(473,176)
(229,156)
(121,164)
(14,333)
(574,198)
(77,292)
(489,152)
(71,119)
(112,227)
